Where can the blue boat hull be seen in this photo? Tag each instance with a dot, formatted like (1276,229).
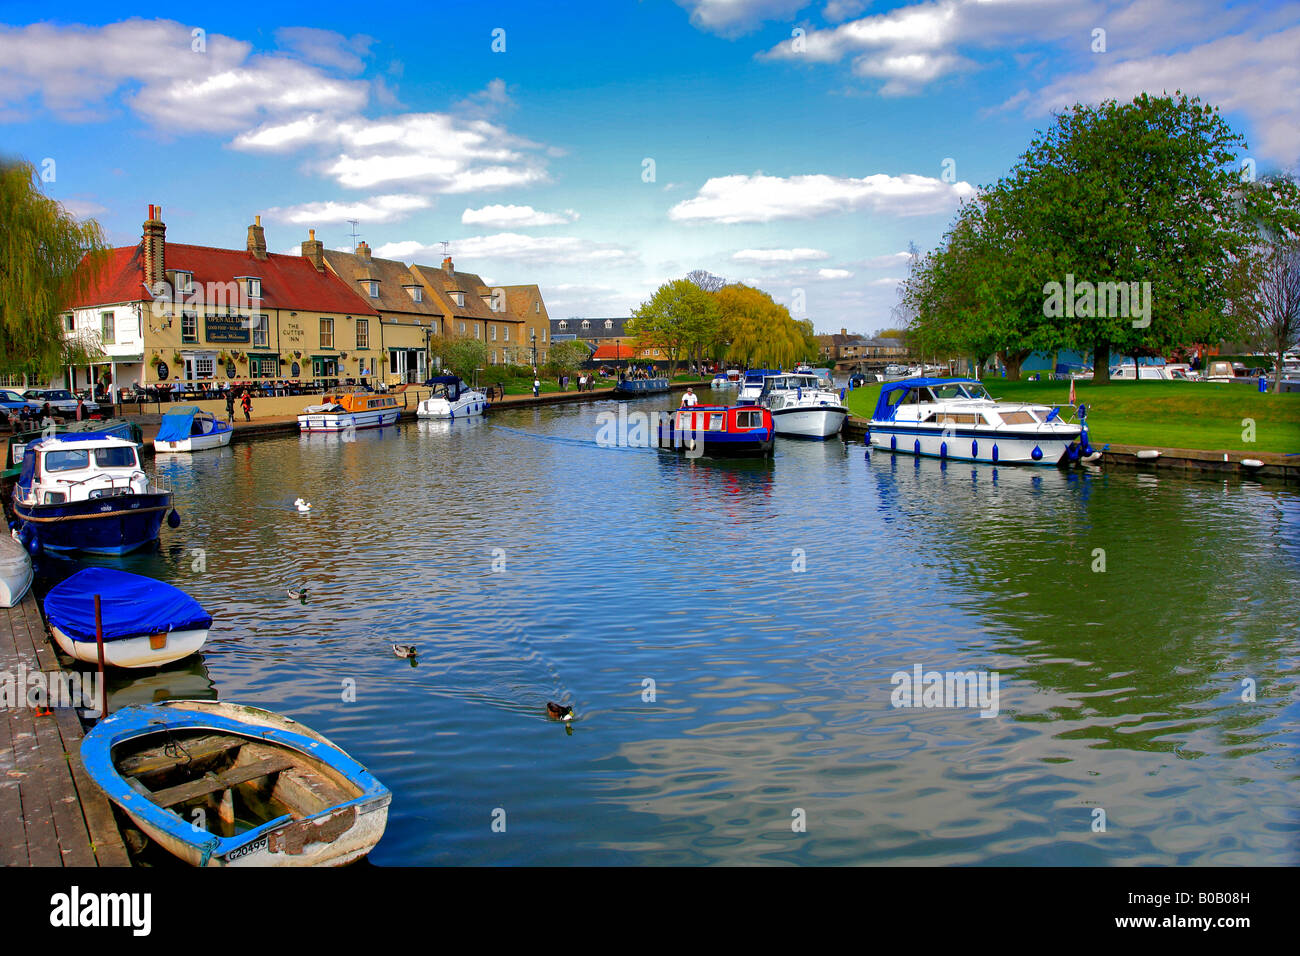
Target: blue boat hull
(116,525)
(641,386)
(757,443)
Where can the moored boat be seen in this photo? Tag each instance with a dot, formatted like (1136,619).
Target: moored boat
(222,784)
(801,408)
(721,381)
(190,428)
(145,623)
(451,399)
(641,386)
(718,431)
(87,492)
(15,571)
(352,411)
(752,385)
(957,418)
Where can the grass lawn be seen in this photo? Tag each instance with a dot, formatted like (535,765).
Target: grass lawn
(1199,415)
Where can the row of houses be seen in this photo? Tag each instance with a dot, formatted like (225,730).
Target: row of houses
(861,350)
(159,311)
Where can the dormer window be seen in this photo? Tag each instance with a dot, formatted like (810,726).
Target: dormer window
(609,324)
(585,325)
(183,281)
(371,286)
(563,324)
(252,286)
(417,293)
(459,298)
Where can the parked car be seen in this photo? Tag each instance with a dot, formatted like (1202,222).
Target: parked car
(60,399)
(14,404)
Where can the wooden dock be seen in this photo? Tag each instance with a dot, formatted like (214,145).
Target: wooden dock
(51,814)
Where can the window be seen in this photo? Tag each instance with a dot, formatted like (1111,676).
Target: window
(116,457)
(494,356)
(261,330)
(493,330)
(189,326)
(585,325)
(184,282)
(476,330)
(106,328)
(66,460)
(417,293)
(543,335)
(372,288)
(204,366)
(537,306)
(253,287)
(459,297)
(749,419)
(69,323)
(505,333)
(563,324)
(327,333)
(363,333)
(609,324)
(462,328)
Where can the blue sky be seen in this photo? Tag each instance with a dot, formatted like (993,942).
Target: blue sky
(800,162)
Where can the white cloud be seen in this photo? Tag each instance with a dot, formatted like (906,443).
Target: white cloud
(834,274)
(732,17)
(376,209)
(516,248)
(759,198)
(1255,75)
(82,208)
(780,255)
(491,100)
(325,47)
(508,217)
(74,71)
(888,261)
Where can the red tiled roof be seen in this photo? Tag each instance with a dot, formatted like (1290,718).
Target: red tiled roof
(614,352)
(288,282)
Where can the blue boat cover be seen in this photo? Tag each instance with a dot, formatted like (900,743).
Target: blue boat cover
(892,394)
(130,605)
(176,423)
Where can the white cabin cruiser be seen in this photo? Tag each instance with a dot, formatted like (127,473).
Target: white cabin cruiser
(189,428)
(957,418)
(752,385)
(800,407)
(451,399)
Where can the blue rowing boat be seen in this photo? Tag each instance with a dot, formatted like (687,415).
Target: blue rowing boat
(220,784)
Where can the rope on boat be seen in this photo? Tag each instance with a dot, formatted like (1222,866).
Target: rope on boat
(101,514)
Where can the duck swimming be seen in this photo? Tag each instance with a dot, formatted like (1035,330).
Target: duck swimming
(556,712)
(404,650)
(298,594)
(302,506)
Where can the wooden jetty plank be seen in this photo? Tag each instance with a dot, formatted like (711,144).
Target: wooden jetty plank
(105,836)
(36,633)
(13,835)
(69,824)
(42,838)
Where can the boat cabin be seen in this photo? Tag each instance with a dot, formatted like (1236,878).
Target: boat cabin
(718,418)
(79,468)
(361,401)
(449,387)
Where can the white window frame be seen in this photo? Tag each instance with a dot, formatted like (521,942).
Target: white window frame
(323,344)
(108,328)
(261,330)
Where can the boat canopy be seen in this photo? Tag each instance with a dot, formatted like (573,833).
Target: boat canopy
(131,605)
(755,376)
(893,393)
(453,382)
(176,424)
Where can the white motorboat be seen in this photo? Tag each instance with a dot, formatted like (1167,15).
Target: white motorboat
(350,412)
(801,408)
(721,381)
(752,385)
(958,419)
(15,571)
(189,428)
(143,622)
(452,399)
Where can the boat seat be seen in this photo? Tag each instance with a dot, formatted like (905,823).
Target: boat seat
(156,759)
(213,782)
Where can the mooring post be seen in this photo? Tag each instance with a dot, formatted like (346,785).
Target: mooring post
(99,644)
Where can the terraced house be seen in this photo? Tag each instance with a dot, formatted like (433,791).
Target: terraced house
(473,310)
(160,311)
(408,316)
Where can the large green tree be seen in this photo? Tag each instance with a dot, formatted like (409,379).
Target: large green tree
(680,319)
(41,248)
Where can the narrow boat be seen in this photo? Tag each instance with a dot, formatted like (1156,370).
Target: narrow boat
(957,418)
(718,431)
(220,784)
(350,412)
(87,492)
(641,386)
(15,571)
(752,386)
(190,428)
(801,408)
(451,399)
(146,623)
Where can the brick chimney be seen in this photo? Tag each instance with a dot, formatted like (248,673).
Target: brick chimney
(314,251)
(363,250)
(257,239)
(447,266)
(154,241)
(844,331)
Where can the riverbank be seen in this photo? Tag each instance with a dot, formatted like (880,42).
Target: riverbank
(273,417)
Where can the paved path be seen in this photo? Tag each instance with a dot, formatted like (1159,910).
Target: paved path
(51,814)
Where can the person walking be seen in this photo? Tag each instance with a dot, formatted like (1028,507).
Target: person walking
(230,405)
(537,387)
(247,404)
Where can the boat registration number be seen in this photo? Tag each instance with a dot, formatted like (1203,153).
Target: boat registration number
(243,851)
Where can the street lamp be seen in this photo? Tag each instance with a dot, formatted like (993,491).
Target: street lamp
(532,340)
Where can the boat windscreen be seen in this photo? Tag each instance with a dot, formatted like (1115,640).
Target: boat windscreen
(976,391)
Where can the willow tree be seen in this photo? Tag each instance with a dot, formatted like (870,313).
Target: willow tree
(41,248)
